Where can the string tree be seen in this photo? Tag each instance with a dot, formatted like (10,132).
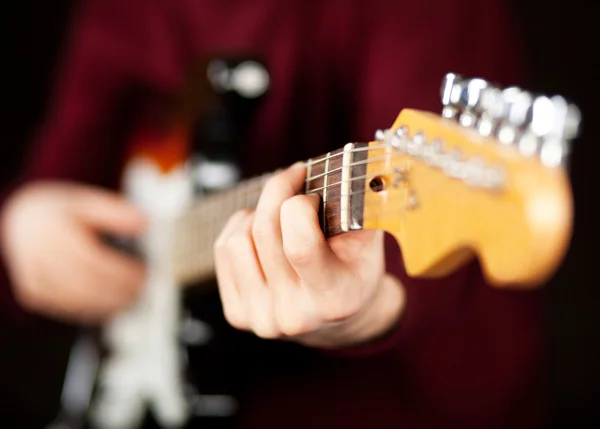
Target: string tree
(399,139)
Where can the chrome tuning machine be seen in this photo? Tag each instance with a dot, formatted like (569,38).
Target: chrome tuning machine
(536,124)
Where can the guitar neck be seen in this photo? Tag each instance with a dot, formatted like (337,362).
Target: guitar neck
(483,179)
(330,175)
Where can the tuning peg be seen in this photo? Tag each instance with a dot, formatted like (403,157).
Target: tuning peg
(490,111)
(450,95)
(554,123)
(537,125)
(519,117)
(520,111)
(512,111)
(471,101)
(572,122)
(446,88)
(564,117)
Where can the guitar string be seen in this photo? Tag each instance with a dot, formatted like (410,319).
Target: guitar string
(198,258)
(219,217)
(217,221)
(201,250)
(235,194)
(242,193)
(245,195)
(352,164)
(341,152)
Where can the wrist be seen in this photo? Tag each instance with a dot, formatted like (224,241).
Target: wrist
(385,311)
(377,319)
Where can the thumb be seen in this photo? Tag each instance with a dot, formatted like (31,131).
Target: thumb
(108,211)
(364,245)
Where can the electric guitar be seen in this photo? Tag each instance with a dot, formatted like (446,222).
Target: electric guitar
(485,179)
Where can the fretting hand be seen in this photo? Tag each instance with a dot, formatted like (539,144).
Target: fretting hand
(280,278)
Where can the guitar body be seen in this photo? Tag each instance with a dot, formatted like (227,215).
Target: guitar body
(144,367)
(144,371)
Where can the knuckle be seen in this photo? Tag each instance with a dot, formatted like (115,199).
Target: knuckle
(266,331)
(297,204)
(237,242)
(290,206)
(240,215)
(300,253)
(292,325)
(263,324)
(27,296)
(276,183)
(340,309)
(219,243)
(235,318)
(261,229)
(219,246)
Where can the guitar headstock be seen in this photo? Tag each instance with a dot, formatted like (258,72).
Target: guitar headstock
(484,178)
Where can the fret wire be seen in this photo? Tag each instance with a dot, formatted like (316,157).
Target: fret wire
(349,194)
(381,212)
(325,201)
(308,175)
(388,157)
(359,149)
(205,268)
(215,217)
(197,260)
(365,161)
(210,204)
(364,176)
(325,188)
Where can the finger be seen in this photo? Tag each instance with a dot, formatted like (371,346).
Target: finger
(266,230)
(117,273)
(250,280)
(339,286)
(305,245)
(113,276)
(233,309)
(362,251)
(71,290)
(109,212)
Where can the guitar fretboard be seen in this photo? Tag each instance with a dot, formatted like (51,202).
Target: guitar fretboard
(329,175)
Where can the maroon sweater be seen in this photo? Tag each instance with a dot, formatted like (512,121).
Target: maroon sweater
(465,355)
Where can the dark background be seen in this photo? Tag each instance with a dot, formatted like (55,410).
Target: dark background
(557,38)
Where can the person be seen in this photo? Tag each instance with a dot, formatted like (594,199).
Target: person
(342,337)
